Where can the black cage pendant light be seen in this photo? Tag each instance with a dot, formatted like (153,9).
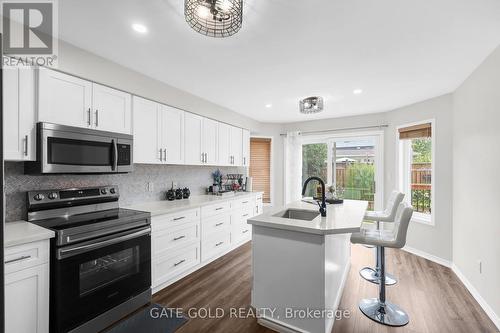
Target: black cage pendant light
(214,18)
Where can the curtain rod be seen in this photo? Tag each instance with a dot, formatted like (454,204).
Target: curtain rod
(341,129)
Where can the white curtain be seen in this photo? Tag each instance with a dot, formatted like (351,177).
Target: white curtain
(293,167)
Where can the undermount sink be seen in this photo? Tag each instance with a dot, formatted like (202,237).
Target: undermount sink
(298,214)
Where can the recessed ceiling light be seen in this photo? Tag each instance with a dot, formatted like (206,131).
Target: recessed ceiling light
(269,106)
(140,28)
(357,91)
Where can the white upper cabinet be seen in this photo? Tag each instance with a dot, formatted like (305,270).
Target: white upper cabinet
(172,134)
(236,146)
(68,100)
(210,139)
(193,127)
(111,109)
(246,148)
(19,114)
(146,132)
(64,99)
(224,144)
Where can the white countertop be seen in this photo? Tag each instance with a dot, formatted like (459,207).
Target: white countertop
(22,232)
(167,207)
(340,219)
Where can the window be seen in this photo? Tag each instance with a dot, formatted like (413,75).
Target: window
(260,166)
(314,163)
(416,167)
(346,164)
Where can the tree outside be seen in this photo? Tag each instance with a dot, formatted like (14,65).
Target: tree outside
(314,163)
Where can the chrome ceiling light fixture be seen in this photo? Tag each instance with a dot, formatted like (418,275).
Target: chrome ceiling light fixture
(214,18)
(313,104)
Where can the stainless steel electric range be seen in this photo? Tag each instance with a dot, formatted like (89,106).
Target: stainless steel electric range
(100,267)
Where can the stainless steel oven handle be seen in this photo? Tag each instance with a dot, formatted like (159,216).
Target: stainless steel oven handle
(106,242)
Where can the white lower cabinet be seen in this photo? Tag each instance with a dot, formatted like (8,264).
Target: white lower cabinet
(27,288)
(188,240)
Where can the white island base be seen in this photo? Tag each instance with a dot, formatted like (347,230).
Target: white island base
(299,276)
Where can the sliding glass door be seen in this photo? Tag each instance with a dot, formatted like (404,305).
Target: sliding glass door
(351,165)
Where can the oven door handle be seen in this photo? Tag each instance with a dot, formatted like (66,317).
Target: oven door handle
(114,155)
(63,253)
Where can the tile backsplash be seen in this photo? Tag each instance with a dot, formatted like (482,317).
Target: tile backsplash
(133,186)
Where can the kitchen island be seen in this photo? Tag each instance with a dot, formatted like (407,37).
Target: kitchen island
(300,263)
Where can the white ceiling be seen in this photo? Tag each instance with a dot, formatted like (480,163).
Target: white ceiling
(398,51)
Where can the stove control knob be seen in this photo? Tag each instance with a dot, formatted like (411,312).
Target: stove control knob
(53,195)
(39,197)
(112,190)
(104,191)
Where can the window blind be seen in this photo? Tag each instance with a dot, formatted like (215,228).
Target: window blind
(260,166)
(416,131)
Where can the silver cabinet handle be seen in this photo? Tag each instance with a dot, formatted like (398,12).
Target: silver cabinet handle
(89,122)
(26,145)
(244,202)
(202,157)
(165,154)
(245,215)
(180,262)
(179,218)
(161,155)
(244,231)
(219,243)
(180,237)
(219,224)
(96,118)
(17,259)
(219,208)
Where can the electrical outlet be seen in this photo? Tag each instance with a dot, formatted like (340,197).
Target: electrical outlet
(150,187)
(174,184)
(480,266)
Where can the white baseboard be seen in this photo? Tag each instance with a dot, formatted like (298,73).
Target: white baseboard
(447,263)
(428,256)
(486,307)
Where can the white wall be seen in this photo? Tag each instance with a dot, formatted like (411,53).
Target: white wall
(476,181)
(435,240)
(79,62)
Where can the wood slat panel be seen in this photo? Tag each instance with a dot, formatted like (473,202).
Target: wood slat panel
(260,166)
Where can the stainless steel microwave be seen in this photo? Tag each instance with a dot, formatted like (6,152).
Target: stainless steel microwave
(67,149)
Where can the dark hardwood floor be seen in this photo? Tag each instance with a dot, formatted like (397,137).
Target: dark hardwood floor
(434,298)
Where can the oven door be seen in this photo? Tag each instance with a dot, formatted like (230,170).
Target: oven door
(73,152)
(90,278)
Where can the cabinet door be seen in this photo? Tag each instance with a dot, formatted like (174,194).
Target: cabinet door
(111,109)
(19,114)
(27,300)
(210,148)
(64,99)
(224,144)
(236,146)
(146,131)
(246,148)
(172,132)
(193,127)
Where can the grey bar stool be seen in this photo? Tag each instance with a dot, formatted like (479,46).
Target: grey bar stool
(388,215)
(378,309)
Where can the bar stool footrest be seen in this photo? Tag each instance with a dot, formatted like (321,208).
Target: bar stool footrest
(371,275)
(387,314)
